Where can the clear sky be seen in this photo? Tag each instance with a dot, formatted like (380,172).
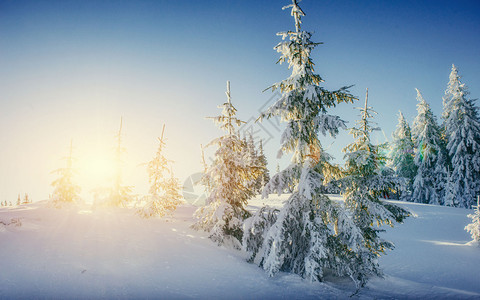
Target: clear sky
(71,69)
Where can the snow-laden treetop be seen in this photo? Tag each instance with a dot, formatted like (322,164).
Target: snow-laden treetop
(297,13)
(227,120)
(303,104)
(363,127)
(455,90)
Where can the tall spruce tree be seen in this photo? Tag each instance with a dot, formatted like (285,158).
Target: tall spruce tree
(430,156)
(163,195)
(310,234)
(224,210)
(402,155)
(65,190)
(362,187)
(462,131)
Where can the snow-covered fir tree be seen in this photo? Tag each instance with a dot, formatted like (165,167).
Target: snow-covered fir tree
(264,176)
(252,159)
(205,180)
(402,155)
(462,131)
(26,199)
(119,194)
(474,227)
(164,195)
(65,190)
(310,234)
(258,160)
(172,190)
(224,209)
(430,156)
(363,185)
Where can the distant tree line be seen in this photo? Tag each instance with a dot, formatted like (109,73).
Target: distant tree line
(26,200)
(440,162)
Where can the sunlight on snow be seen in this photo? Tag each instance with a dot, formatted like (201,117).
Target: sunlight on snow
(440,243)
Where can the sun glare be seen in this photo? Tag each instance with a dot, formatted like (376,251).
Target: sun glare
(99,168)
(96,170)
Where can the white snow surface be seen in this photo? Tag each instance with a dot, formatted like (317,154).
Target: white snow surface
(80,252)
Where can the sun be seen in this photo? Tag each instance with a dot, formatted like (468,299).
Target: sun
(96,170)
(99,168)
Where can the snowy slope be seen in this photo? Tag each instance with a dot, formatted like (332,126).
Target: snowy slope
(112,253)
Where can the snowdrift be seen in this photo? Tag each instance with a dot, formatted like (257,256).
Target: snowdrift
(80,252)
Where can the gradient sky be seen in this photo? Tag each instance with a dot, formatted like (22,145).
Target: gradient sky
(71,69)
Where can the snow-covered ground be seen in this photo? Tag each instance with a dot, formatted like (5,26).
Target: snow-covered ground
(112,253)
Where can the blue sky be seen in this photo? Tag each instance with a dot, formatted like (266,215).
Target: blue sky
(70,69)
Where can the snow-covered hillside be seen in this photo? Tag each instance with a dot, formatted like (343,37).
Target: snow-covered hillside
(112,253)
